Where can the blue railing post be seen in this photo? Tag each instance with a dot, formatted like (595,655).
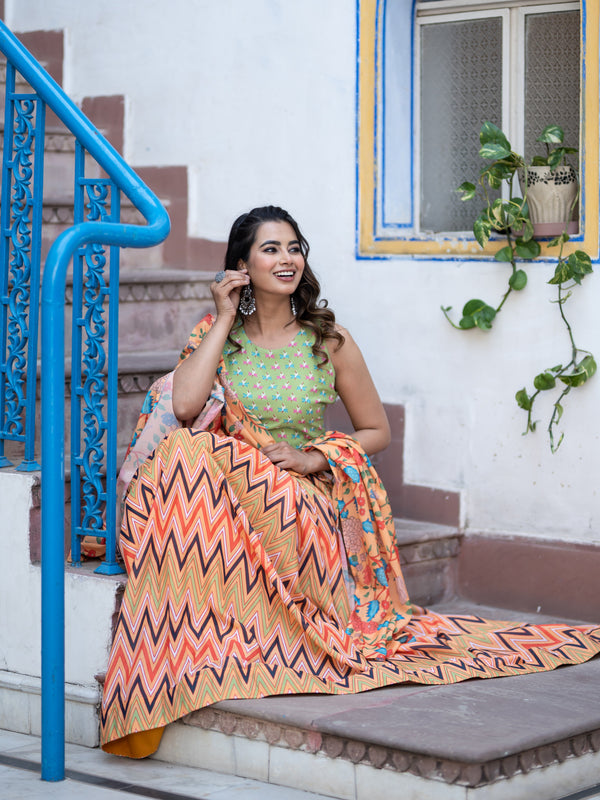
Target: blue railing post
(53,539)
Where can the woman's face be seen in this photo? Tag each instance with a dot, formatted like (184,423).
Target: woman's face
(275,262)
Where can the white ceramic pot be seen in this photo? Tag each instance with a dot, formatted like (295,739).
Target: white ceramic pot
(551,195)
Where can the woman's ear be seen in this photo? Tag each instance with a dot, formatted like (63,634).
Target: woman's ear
(241,264)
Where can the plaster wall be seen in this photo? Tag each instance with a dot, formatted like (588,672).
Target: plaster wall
(258,100)
(89,606)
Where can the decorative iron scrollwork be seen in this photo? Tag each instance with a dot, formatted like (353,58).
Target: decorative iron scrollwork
(19,267)
(93,387)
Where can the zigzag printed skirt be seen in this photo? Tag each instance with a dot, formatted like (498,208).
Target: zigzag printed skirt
(236,590)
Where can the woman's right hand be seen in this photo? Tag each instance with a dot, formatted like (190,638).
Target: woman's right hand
(227,292)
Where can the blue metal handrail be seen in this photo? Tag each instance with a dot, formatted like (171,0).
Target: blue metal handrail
(68,245)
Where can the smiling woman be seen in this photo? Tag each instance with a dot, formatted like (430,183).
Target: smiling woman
(260,547)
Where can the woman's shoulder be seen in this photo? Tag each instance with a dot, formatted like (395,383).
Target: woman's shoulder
(341,329)
(342,347)
(340,336)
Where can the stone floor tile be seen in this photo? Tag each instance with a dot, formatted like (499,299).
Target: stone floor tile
(251,758)
(383,783)
(195,747)
(312,773)
(11,739)
(151,773)
(254,790)
(17,784)
(30,751)
(25,784)
(555,782)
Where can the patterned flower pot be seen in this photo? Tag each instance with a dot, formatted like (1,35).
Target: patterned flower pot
(551,198)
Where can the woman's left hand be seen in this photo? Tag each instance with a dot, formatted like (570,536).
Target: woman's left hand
(303,462)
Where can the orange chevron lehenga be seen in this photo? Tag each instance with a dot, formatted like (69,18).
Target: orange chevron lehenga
(245,580)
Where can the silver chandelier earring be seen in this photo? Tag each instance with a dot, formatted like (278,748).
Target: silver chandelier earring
(247,304)
(293,305)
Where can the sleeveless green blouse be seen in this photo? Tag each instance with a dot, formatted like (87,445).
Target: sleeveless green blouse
(284,387)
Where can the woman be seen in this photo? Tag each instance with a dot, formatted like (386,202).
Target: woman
(260,548)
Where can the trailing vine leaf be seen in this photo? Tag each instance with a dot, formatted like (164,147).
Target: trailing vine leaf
(482,230)
(494,143)
(555,158)
(491,133)
(527,230)
(494,150)
(484,318)
(580,264)
(583,372)
(495,174)
(559,240)
(518,280)
(544,381)
(552,134)
(559,411)
(466,322)
(527,249)
(523,399)
(468,190)
(562,273)
(477,313)
(575,268)
(498,214)
(505,254)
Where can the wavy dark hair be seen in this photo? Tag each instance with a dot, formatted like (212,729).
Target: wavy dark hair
(311,312)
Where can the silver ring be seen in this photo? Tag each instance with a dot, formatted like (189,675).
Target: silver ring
(219,276)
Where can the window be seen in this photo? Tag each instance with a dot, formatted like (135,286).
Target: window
(516,66)
(430,73)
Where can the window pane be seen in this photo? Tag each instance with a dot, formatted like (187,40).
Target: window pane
(551,77)
(461,88)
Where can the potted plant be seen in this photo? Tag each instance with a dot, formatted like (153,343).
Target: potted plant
(551,186)
(508,217)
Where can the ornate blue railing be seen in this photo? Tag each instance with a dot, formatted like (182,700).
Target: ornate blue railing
(92,244)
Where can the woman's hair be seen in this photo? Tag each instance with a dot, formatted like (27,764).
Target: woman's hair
(311,312)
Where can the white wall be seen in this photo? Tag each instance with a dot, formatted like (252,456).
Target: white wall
(258,99)
(89,606)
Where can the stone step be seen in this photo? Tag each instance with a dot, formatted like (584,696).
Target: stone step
(137,372)
(157,309)
(429,558)
(512,738)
